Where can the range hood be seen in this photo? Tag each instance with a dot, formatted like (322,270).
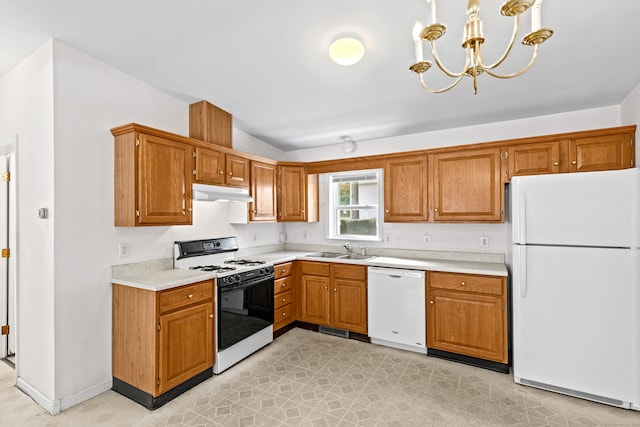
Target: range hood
(216,192)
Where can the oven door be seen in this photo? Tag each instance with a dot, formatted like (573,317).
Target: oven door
(243,310)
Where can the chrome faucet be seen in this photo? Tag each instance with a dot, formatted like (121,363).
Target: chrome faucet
(347,246)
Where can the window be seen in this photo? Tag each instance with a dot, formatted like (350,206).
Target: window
(353,202)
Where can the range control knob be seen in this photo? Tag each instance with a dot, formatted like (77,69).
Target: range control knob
(236,278)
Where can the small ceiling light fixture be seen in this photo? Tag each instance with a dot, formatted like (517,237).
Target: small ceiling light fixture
(348,145)
(346,49)
(473,39)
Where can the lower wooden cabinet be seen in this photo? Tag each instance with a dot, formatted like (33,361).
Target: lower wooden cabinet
(283,298)
(161,340)
(334,294)
(467,315)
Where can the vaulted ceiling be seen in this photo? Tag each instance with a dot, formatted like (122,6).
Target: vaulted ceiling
(266,62)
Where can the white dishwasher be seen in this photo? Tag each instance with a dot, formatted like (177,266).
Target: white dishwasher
(396,299)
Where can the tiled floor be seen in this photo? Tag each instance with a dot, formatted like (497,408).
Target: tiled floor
(308,379)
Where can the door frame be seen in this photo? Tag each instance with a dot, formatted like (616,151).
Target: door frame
(8,305)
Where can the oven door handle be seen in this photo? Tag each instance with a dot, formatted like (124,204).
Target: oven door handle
(240,286)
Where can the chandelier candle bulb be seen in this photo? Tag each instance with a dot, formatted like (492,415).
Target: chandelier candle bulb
(417,28)
(536,16)
(433,10)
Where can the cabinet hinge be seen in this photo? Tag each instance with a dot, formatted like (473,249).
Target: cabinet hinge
(6,176)
(6,252)
(5,330)
(506,172)
(158,326)
(194,154)
(501,155)
(194,171)
(158,381)
(137,142)
(138,213)
(501,213)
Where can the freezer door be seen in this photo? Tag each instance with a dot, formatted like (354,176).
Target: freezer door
(575,320)
(582,209)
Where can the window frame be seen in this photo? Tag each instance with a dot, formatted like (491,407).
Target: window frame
(332,209)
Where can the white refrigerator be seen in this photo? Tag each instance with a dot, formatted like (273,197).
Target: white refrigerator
(576,284)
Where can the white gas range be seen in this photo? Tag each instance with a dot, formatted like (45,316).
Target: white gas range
(244,296)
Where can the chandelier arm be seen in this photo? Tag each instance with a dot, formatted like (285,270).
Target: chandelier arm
(518,73)
(442,67)
(516,27)
(427,88)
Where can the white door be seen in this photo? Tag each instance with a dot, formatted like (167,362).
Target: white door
(5,296)
(576,319)
(577,209)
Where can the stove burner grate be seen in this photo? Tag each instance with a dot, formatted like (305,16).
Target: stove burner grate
(217,268)
(247,262)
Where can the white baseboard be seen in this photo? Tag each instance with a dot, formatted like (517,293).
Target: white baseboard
(56,406)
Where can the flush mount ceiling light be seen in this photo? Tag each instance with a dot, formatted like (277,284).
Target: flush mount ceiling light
(473,39)
(348,144)
(346,50)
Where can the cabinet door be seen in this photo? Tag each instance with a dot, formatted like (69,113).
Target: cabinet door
(466,323)
(601,153)
(209,166)
(186,345)
(405,190)
(315,306)
(349,304)
(292,193)
(263,190)
(533,159)
(468,186)
(164,181)
(237,171)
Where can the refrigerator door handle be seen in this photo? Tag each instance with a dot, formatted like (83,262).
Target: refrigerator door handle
(522,254)
(522,220)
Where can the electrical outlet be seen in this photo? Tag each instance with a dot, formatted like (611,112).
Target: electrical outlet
(124,250)
(387,237)
(427,239)
(484,242)
(305,235)
(254,237)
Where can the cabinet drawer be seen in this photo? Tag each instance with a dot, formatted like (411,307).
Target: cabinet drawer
(467,282)
(282,299)
(282,270)
(282,316)
(282,285)
(353,272)
(185,295)
(315,268)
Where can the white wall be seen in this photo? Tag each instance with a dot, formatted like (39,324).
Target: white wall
(630,113)
(26,110)
(67,158)
(457,237)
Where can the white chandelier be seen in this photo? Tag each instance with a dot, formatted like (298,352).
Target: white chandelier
(473,40)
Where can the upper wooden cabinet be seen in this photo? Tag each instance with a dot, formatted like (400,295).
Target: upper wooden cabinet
(263,190)
(467,186)
(531,159)
(405,189)
(210,123)
(297,194)
(153,177)
(602,152)
(216,167)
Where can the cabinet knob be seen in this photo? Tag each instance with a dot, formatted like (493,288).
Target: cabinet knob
(190,209)
(463,283)
(283,285)
(574,162)
(221,172)
(326,288)
(387,210)
(555,163)
(283,270)
(211,316)
(431,302)
(230,173)
(335,290)
(284,299)
(190,296)
(284,314)
(436,209)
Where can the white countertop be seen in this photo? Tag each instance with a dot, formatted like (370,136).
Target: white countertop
(171,278)
(163,279)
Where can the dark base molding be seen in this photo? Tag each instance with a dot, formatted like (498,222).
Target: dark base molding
(468,360)
(313,327)
(150,402)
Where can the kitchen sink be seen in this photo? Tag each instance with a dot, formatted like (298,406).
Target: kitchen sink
(338,255)
(356,256)
(325,255)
